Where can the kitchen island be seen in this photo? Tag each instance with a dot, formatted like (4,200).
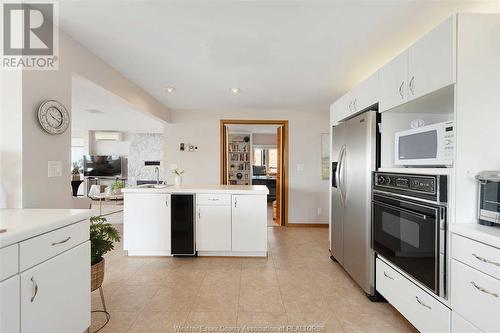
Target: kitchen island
(226,220)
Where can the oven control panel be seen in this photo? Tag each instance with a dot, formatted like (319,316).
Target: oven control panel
(423,184)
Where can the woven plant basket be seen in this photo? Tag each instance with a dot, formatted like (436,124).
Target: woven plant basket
(96,275)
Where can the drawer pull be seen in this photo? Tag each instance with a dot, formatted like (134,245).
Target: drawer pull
(481,289)
(486,260)
(213,199)
(422,303)
(61,242)
(388,276)
(34,288)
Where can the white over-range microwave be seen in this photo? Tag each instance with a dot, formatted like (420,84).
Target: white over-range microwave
(430,145)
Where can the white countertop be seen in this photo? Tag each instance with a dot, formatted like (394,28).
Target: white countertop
(22,224)
(229,189)
(478,232)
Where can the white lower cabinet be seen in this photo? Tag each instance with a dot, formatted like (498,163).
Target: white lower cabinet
(9,305)
(55,295)
(425,312)
(460,325)
(249,223)
(213,228)
(147,224)
(476,297)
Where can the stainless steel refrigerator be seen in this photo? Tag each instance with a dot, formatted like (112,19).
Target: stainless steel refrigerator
(354,157)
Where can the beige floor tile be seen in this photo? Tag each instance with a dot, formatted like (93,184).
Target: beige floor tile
(219,299)
(259,319)
(323,321)
(212,319)
(264,299)
(158,322)
(228,279)
(301,302)
(131,298)
(373,323)
(259,278)
(118,322)
(172,298)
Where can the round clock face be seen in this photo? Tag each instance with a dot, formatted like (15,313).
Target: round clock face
(53,117)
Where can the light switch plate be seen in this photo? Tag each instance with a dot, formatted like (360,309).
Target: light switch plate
(54,168)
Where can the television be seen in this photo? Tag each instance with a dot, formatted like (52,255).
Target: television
(102,166)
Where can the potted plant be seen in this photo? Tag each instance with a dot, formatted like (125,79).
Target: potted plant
(77,170)
(178,176)
(116,187)
(102,238)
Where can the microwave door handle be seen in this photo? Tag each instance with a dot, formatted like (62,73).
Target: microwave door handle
(406,211)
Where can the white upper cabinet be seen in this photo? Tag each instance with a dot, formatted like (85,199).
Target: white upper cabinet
(356,100)
(431,60)
(393,82)
(366,94)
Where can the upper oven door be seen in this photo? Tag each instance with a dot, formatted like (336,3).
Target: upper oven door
(407,234)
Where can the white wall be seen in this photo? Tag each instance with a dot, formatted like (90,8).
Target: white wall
(307,191)
(38,147)
(264,139)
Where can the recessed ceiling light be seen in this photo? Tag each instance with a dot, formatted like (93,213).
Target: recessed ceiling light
(235,90)
(170,89)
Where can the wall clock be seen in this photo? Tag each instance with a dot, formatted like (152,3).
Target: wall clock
(53,117)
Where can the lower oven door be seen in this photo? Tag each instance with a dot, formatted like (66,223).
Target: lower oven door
(407,234)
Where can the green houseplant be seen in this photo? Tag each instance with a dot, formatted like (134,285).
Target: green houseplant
(102,238)
(116,186)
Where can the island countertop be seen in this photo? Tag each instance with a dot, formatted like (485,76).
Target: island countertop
(228,189)
(21,224)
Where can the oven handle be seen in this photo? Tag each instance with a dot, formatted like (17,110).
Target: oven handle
(403,210)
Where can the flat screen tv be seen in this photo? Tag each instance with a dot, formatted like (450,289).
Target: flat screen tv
(102,166)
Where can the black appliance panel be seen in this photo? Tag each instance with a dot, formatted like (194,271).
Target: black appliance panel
(182,225)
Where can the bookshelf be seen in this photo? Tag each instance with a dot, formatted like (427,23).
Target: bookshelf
(239,158)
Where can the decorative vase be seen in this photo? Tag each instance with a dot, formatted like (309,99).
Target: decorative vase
(75,176)
(178,180)
(96,275)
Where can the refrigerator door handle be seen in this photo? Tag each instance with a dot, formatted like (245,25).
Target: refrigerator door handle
(341,178)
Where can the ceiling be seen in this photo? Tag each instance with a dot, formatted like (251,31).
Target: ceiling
(298,55)
(94,108)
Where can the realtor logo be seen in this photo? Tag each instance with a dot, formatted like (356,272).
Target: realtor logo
(29,36)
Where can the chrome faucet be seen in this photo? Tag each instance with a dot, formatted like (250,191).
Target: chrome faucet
(157,171)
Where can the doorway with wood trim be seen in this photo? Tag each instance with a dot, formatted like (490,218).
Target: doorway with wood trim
(247,161)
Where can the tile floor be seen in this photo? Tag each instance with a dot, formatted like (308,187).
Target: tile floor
(297,284)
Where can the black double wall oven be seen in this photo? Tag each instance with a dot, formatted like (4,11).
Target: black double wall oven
(409,225)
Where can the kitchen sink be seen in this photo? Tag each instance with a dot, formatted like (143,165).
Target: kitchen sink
(154,186)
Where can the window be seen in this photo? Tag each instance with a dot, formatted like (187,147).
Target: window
(265,158)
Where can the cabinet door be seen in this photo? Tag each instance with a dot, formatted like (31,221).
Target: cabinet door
(9,305)
(341,109)
(147,223)
(366,94)
(249,223)
(431,63)
(213,228)
(393,82)
(460,325)
(55,295)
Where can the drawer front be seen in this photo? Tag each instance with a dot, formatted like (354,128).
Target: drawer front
(460,325)
(425,312)
(37,249)
(9,261)
(213,199)
(475,296)
(478,255)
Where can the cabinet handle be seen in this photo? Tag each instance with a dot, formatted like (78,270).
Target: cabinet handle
(422,303)
(61,242)
(235,202)
(401,89)
(213,199)
(411,85)
(34,289)
(199,213)
(354,104)
(350,106)
(166,202)
(388,276)
(481,289)
(485,260)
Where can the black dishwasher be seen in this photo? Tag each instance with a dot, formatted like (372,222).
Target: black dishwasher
(182,226)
